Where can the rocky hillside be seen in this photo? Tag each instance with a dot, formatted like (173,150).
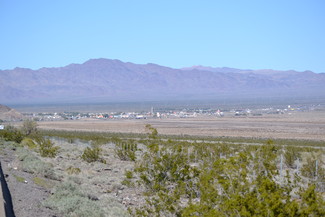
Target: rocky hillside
(9,114)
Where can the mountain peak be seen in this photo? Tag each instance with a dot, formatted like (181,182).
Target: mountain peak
(101,61)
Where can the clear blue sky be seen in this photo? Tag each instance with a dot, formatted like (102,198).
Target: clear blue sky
(246,34)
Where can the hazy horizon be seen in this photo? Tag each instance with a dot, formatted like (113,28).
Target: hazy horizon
(129,106)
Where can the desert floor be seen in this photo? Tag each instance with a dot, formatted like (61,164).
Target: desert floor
(297,125)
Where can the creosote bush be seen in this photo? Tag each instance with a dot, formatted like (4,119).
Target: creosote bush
(46,148)
(92,155)
(11,133)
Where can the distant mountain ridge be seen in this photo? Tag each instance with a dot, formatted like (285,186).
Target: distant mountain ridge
(105,80)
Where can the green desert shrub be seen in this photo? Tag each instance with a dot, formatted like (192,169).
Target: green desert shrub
(92,155)
(10,133)
(46,148)
(128,178)
(160,167)
(129,174)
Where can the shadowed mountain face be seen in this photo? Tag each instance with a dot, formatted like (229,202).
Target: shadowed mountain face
(100,80)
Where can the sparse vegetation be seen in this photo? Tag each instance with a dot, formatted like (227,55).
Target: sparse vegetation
(32,164)
(176,177)
(70,201)
(108,137)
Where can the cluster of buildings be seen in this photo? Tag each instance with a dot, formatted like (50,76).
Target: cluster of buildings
(164,113)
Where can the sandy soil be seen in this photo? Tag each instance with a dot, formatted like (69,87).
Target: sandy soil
(299,125)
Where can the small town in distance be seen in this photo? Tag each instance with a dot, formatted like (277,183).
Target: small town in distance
(161,113)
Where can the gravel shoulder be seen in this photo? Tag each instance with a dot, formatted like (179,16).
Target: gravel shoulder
(27,197)
(100,183)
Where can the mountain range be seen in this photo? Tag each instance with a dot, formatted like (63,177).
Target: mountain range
(103,80)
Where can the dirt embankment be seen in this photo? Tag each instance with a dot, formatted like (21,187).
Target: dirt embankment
(27,197)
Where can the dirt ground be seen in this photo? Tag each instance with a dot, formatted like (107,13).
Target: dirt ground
(27,197)
(299,125)
(100,181)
